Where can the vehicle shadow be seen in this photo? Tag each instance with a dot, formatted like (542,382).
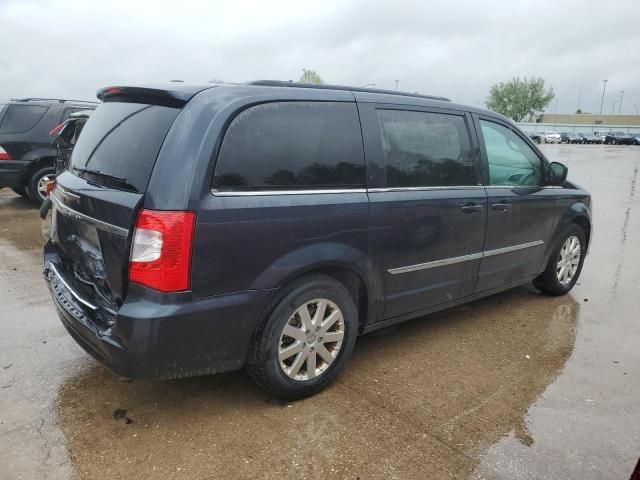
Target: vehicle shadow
(422,399)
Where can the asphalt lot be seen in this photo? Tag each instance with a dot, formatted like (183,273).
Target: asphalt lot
(519,385)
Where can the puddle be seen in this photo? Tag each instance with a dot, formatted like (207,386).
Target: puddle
(420,400)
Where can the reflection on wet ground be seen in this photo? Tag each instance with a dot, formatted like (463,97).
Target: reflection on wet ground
(19,222)
(519,385)
(416,401)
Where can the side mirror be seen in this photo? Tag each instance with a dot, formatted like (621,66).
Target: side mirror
(557,173)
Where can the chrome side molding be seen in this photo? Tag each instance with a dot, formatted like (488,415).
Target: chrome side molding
(257,193)
(463,258)
(423,189)
(513,248)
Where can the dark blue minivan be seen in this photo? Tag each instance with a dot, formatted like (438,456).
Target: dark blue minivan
(202,229)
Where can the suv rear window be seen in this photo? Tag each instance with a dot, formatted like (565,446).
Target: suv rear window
(120,142)
(21,118)
(292,145)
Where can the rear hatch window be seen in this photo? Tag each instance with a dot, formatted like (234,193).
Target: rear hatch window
(119,144)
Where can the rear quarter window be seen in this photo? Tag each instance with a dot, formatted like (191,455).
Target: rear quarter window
(122,140)
(21,118)
(292,145)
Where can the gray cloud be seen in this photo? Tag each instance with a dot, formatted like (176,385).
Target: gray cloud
(457,49)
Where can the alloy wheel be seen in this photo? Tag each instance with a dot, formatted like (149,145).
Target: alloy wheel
(311,340)
(568,260)
(42,187)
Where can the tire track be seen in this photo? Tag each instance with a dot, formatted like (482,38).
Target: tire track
(625,225)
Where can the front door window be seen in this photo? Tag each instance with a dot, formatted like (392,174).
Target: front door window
(511,161)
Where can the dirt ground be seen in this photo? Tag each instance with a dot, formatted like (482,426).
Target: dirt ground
(519,385)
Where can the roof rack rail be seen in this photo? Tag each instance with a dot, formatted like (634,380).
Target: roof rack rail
(280,83)
(42,99)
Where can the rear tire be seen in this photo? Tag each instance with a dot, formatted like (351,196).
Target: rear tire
(35,190)
(563,269)
(294,353)
(20,191)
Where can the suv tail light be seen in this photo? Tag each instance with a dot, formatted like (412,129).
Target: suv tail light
(56,129)
(4,155)
(161,250)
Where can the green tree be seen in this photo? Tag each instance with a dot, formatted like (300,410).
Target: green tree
(519,99)
(310,76)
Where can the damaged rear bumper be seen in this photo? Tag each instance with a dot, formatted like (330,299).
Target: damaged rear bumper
(156,335)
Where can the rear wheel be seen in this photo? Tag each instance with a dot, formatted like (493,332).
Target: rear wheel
(36,185)
(302,346)
(565,263)
(20,191)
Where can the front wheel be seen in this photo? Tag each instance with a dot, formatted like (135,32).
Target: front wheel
(302,346)
(565,263)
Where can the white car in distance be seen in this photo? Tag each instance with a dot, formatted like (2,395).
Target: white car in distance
(550,137)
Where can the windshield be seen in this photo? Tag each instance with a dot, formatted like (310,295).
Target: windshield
(121,141)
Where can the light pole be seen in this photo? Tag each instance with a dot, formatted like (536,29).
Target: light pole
(620,106)
(396,85)
(635,106)
(613,107)
(579,97)
(604,86)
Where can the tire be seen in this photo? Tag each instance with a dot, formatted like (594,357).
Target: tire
(34,190)
(20,191)
(287,376)
(549,281)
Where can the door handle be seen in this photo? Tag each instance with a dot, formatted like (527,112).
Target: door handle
(502,206)
(471,207)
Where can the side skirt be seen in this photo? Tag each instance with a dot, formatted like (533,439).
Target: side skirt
(443,306)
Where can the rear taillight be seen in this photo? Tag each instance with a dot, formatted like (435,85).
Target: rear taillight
(4,155)
(56,129)
(161,250)
(49,186)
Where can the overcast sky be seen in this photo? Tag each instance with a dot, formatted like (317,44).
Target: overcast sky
(456,49)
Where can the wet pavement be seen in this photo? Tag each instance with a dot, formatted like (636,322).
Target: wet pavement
(519,385)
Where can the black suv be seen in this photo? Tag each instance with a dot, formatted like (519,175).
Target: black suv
(201,229)
(27,154)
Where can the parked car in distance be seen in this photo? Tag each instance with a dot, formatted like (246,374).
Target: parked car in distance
(201,229)
(574,138)
(534,136)
(26,153)
(622,138)
(65,137)
(564,137)
(550,137)
(636,138)
(591,138)
(618,138)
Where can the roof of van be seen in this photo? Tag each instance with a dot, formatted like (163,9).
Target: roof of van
(185,91)
(178,93)
(278,83)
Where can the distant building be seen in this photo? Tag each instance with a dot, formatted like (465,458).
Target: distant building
(588,119)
